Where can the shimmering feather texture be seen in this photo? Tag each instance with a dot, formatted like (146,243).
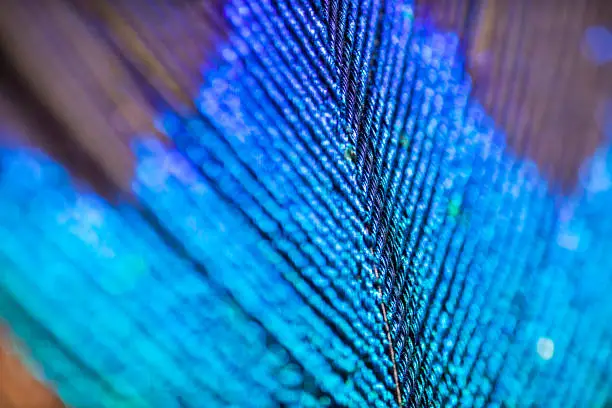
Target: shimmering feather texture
(338,225)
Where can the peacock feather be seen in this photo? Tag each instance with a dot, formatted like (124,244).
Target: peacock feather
(337,222)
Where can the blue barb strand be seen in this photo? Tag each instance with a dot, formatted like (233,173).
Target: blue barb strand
(338,225)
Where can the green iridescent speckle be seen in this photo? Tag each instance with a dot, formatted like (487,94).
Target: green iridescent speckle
(126,277)
(350,154)
(454,206)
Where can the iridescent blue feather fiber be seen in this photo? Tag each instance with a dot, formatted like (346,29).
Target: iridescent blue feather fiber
(337,174)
